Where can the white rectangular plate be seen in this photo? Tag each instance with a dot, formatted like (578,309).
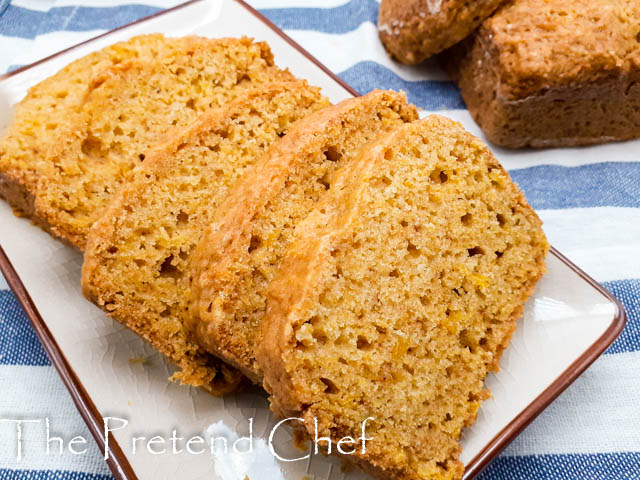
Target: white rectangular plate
(567,323)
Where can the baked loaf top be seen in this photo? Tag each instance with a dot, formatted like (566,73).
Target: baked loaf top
(414,30)
(240,252)
(542,44)
(127,109)
(546,73)
(398,294)
(139,250)
(48,108)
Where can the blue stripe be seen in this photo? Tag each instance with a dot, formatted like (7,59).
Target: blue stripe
(6,474)
(19,344)
(25,23)
(628,292)
(342,19)
(597,466)
(611,184)
(430,95)
(3,6)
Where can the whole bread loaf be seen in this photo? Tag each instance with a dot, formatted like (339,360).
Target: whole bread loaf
(397,296)
(550,73)
(140,248)
(414,30)
(48,108)
(242,248)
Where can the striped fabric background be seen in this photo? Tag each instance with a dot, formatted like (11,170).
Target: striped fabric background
(590,206)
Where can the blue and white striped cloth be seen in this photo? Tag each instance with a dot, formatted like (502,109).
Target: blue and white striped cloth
(590,206)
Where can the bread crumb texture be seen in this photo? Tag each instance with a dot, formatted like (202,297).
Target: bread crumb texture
(139,250)
(242,248)
(397,296)
(47,109)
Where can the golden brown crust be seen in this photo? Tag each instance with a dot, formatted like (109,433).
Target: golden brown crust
(545,73)
(414,30)
(322,272)
(139,250)
(286,179)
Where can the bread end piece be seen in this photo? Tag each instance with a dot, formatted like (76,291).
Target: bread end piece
(414,30)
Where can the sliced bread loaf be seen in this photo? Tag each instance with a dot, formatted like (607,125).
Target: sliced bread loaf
(129,107)
(397,296)
(138,251)
(50,107)
(241,250)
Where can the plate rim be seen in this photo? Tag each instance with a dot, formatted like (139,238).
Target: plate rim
(505,436)
(118,462)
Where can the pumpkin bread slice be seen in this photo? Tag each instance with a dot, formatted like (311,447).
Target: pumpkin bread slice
(397,297)
(48,107)
(139,250)
(131,106)
(240,252)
